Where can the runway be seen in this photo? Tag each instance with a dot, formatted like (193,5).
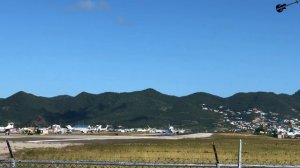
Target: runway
(18,142)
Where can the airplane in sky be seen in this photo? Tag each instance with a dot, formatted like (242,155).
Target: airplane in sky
(281,7)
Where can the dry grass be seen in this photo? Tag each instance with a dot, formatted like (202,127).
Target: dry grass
(256,149)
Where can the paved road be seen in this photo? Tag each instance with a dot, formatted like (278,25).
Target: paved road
(79,138)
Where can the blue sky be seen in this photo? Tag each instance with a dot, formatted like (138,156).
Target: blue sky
(177,47)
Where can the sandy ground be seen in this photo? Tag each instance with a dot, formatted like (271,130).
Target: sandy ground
(23,145)
(18,142)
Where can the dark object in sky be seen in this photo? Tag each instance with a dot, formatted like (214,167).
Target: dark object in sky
(281,7)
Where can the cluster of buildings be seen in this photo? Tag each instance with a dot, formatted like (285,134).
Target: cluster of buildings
(256,121)
(58,129)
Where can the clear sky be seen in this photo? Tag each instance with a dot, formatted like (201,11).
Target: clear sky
(177,47)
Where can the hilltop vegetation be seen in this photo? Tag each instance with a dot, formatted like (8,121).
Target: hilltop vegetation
(139,109)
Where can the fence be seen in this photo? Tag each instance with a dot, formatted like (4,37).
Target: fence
(103,164)
(12,163)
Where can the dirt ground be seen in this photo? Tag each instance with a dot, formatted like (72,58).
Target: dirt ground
(17,145)
(18,142)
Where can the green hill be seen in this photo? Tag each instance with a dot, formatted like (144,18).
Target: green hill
(140,108)
(297,95)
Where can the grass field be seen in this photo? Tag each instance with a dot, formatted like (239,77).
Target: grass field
(256,150)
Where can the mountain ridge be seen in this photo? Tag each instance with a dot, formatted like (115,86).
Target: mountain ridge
(297,93)
(140,108)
